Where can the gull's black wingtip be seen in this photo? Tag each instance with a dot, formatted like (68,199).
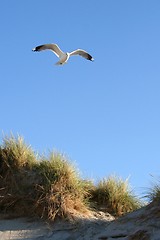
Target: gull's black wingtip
(38,48)
(90,58)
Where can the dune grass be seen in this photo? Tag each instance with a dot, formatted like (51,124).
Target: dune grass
(51,187)
(153,193)
(38,186)
(114,195)
(62,189)
(16,154)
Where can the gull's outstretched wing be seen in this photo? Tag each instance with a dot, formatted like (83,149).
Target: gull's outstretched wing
(82,53)
(51,46)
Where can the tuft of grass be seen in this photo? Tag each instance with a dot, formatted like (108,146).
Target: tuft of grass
(114,195)
(62,190)
(17,160)
(16,153)
(154,193)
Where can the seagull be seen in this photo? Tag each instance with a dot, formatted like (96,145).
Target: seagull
(63,57)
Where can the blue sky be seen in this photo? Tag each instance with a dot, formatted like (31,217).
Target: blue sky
(104,115)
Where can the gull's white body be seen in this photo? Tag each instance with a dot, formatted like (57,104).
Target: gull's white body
(63,57)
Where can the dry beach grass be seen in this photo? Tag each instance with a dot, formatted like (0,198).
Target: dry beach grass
(51,187)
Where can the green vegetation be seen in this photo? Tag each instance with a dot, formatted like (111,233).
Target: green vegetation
(154,193)
(51,187)
(115,196)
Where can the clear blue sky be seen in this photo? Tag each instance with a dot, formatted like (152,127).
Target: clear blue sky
(104,115)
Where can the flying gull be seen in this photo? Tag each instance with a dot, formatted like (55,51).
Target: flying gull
(63,57)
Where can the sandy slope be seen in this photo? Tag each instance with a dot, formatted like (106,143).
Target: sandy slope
(143,224)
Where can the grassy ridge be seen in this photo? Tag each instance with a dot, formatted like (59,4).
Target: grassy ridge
(51,186)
